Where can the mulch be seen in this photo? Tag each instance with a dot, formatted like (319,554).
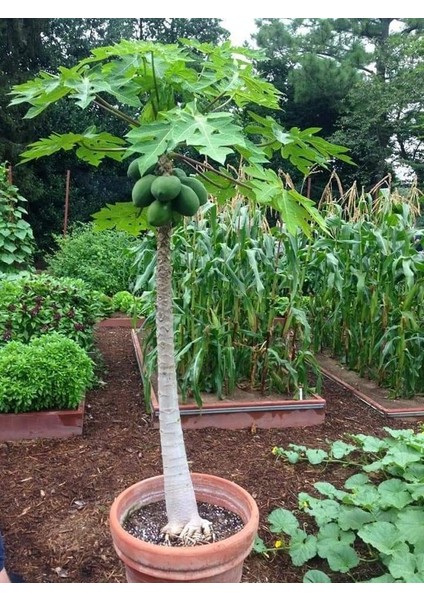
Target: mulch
(56,494)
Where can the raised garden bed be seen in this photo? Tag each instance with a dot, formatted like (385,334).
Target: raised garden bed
(245,410)
(45,424)
(119,320)
(369,392)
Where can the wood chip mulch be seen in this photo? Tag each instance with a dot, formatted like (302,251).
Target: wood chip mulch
(56,494)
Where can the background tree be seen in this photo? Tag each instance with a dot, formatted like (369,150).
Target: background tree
(358,79)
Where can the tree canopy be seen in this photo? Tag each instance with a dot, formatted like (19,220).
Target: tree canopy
(360,80)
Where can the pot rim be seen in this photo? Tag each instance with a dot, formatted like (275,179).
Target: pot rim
(250,526)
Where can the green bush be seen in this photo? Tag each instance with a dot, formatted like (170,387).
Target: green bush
(102,259)
(127,303)
(50,373)
(38,304)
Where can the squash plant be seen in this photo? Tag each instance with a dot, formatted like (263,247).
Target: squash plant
(192,105)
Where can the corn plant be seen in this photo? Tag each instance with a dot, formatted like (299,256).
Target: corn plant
(233,277)
(367,279)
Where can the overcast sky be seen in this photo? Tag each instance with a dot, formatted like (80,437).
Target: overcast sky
(241,29)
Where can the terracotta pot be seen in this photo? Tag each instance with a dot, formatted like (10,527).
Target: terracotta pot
(218,562)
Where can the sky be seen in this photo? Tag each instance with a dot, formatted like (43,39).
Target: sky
(240,14)
(240,28)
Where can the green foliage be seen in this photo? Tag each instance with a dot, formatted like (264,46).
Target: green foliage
(189,97)
(376,517)
(360,80)
(34,305)
(16,237)
(229,273)
(50,372)
(127,303)
(30,44)
(366,281)
(101,258)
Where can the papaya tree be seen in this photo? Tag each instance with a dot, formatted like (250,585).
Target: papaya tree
(189,104)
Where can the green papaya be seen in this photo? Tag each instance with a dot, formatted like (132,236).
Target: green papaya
(166,187)
(133,171)
(198,187)
(179,173)
(141,194)
(187,202)
(159,213)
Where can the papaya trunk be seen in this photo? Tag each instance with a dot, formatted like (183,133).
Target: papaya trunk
(180,499)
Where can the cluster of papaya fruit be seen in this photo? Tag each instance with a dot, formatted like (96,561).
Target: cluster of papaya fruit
(168,197)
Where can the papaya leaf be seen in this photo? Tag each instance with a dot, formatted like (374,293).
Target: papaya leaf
(213,134)
(150,141)
(218,186)
(92,147)
(122,216)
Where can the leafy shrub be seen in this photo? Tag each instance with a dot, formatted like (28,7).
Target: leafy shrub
(102,259)
(38,304)
(51,372)
(127,303)
(376,518)
(16,237)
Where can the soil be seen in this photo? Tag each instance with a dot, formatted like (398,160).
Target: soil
(56,494)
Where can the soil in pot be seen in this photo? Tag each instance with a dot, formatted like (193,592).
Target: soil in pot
(146,522)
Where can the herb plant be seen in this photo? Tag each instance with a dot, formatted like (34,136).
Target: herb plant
(50,372)
(36,304)
(376,518)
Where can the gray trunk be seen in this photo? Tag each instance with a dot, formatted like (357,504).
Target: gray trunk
(179,493)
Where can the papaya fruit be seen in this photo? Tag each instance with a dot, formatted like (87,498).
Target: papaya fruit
(159,213)
(166,187)
(179,173)
(133,172)
(187,202)
(198,187)
(141,194)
